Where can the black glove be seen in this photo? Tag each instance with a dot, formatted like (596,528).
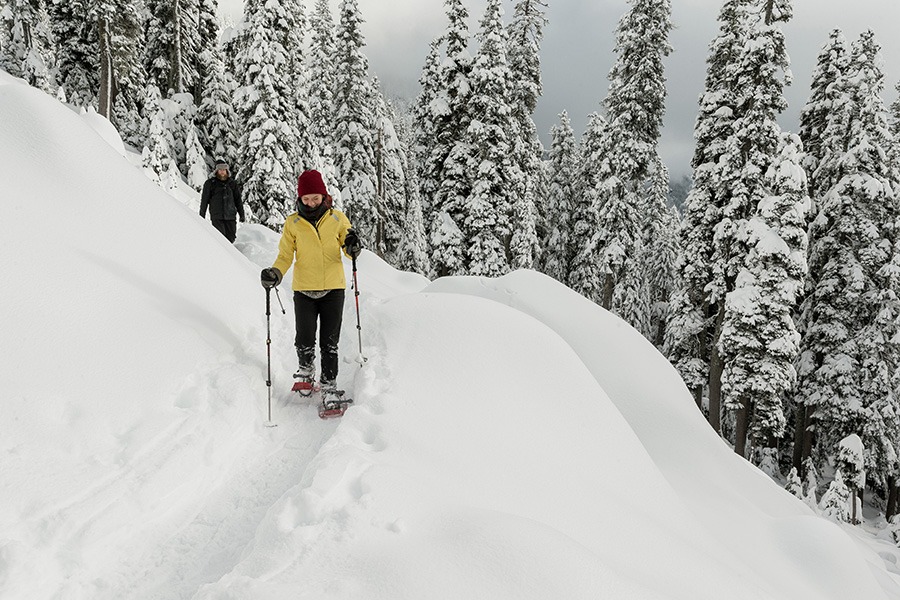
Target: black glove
(270,277)
(352,244)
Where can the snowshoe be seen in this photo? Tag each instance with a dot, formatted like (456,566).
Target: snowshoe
(334,404)
(305,385)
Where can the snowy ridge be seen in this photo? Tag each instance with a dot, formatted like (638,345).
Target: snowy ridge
(509,439)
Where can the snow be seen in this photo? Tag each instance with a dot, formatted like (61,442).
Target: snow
(509,439)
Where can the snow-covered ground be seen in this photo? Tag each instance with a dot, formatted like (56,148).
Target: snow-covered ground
(509,438)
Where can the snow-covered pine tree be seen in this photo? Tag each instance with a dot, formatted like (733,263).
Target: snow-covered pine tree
(659,262)
(810,483)
(306,145)
(832,64)
(173,49)
(207,45)
(849,360)
(835,503)
(29,51)
(157,153)
(322,77)
(584,275)
(877,183)
(523,54)
(182,120)
(695,316)
(195,156)
(445,177)
(632,294)
(354,127)
(262,102)
(793,485)
(759,340)
(217,120)
(558,251)
(76,51)
(425,123)
(761,72)
(495,174)
(412,254)
(635,107)
(826,96)
(390,181)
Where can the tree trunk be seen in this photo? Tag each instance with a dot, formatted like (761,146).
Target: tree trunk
(106,69)
(609,286)
(741,428)
(716,367)
(892,498)
(801,422)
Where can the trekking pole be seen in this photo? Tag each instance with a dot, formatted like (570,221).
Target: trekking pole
(362,358)
(269,423)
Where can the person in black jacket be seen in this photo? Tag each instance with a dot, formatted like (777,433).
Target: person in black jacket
(222,196)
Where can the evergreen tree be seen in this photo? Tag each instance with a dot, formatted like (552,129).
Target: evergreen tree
(390,182)
(445,176)
(322,76)
(832,64)
(425,122)
(835,503)
(759,340)
(306,144)
(157,153)
(632,294)
(659,261)
(207,45)
(694,319)
(182,121)
(217,120)
(810,483)
(354,128)
(558,248)
(262,101)
(486,218)
(76,50)
(195,156)
(584,276)
(794,486)
(412,253)
(635,106)
(524,40)
(825,98)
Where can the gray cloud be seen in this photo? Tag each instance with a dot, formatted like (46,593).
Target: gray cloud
(577,53)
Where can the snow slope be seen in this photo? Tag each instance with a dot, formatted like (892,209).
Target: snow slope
(509,438)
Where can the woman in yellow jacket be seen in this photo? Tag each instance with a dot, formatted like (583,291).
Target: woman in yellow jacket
(312,240)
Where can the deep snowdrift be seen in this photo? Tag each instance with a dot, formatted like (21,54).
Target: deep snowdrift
(510,439)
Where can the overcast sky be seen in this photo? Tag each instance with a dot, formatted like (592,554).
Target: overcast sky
(577,53)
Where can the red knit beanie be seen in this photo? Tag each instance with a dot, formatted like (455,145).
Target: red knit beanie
(310,182)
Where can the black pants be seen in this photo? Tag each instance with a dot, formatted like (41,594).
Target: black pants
(227,227)
(329,312)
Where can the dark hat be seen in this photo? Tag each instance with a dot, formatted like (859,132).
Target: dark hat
(221,164)
(310,182)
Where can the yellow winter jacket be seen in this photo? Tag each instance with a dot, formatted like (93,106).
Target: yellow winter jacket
(314,250)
